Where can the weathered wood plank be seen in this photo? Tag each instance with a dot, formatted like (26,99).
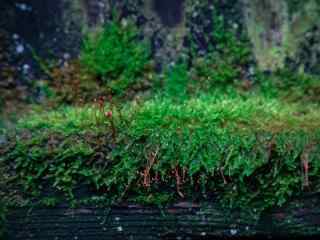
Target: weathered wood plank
(182,221)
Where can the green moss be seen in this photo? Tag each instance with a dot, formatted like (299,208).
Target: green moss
(116,55)
(246,148)
(176,81)
(227,58)
(290,86)
(290,19)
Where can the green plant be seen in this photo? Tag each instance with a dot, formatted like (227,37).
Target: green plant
(247,148)
(251,148)
(44,64)
(228,56)
(290,86)
(116,55)
(176,81)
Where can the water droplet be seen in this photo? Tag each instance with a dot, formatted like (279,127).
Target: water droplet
(233,231)
(15,36)
(20,49)
(66,56)
(25,68)
(23,7)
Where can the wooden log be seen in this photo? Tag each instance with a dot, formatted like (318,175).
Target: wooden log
(184,220)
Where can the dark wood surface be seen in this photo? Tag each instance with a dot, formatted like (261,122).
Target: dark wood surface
(300,218)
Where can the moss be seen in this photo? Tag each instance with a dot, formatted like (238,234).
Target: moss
(247,148)
(256,148)
(290,86)
(116,55)
(73,85)
(264,28)
(277,34)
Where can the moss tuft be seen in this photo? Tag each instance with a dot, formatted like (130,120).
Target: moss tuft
(248,148)
(116,55)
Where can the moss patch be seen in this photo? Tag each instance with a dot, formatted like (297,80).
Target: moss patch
(249,149)
(202,134)
(116,56)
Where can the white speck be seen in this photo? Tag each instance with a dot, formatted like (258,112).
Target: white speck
(23,7)
(247,228)
(20,49)
(203,233)
(75,238)
(233,231)
(124,22)
(101,4)
(172,64)
(117,218)
(65,64)
(251,70)
(15,36)
(66,56)
(25,68)
(119,229)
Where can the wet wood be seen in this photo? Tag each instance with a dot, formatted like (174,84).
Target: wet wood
(180,221)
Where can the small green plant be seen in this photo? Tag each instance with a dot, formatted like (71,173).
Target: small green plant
(227,57)
(176,81)
(290,86)
(116,55)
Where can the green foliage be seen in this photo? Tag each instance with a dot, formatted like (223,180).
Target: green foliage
(221,68)
(290,86)
(158,199)
(247,148)
(226,60)
(116,55)
(176,81)
(183,143)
